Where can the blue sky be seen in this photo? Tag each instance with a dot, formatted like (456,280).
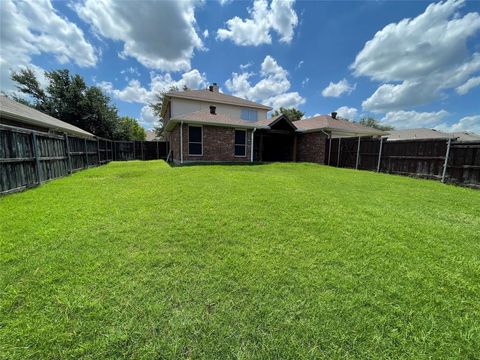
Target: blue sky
(406,63)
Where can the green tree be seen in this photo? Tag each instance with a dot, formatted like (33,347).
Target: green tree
(292,113)
(68,98)
(371,122)
(157,106)
(130,129)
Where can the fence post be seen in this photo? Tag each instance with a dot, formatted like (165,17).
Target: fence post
(86,154)
(36,152)
(445,165)
(67,148)
(98,152)
(134,151)
(338,155)
(158,152)
(358,154)
(141,149)
(113,149)
(380,155)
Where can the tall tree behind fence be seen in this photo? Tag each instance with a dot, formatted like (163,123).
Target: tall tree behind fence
(441,159)
(28,158)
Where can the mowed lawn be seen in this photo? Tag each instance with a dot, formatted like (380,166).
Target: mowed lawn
(283,261)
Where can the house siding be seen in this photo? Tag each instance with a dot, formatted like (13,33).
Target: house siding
(184,106)
(311,147)
(218,145)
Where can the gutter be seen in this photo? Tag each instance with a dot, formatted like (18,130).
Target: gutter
(251,145)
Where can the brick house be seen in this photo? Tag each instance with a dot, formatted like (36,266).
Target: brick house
(209,126)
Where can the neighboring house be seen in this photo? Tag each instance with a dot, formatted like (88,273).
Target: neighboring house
(15,114)
(209,126)
(151,135)
(424,133)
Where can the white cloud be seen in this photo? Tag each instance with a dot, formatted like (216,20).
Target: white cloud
(300,64)
(160,35)
(413,119)
(205,33)
(33,28)
(419,58)
(305,81)
(147,118)
(468,123)
(272,89)
(245,66)
(256,30)
(134,92)
(339,88)
(346,112)
(470,84)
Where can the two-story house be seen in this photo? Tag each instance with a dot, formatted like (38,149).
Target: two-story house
(210,126)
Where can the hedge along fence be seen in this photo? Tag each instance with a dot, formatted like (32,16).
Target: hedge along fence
(441,159)
(28,157)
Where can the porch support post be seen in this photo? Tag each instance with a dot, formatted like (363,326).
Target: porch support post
(445,164)
(358,154)
(251,146)
(329,147)
(338,155)
(380,155)
(181,142)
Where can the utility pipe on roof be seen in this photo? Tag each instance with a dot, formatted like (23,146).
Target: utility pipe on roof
(251,145)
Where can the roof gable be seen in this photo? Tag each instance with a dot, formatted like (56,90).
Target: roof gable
(212,97)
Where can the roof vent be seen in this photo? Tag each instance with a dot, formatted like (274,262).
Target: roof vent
(213,110)
(213,87)
(334,115)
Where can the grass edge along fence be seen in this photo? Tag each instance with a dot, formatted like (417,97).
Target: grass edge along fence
(28,157)
(447,160)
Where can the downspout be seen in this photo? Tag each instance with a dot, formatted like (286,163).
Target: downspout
(251,145)
(181,142)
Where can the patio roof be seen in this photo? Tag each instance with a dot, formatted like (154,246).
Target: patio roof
(337,127)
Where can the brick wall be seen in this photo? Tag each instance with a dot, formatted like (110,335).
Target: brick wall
(218,145)
(311,147)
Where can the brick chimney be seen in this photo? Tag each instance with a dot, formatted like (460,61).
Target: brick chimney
(334,115)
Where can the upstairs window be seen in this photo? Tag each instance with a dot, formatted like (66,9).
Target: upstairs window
(240,142)
(195,143)
(248,114)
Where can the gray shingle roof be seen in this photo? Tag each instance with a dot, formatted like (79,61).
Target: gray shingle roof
(341,127)
(10,109)
(216,97)
(424,133)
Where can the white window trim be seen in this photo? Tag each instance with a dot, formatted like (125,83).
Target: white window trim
(235,144)
(191,142)
(250,110)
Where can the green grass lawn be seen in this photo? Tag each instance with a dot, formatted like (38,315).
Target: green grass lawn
(286,261)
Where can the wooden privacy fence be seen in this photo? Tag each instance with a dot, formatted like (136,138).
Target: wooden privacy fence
(442,159)
(28,158)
